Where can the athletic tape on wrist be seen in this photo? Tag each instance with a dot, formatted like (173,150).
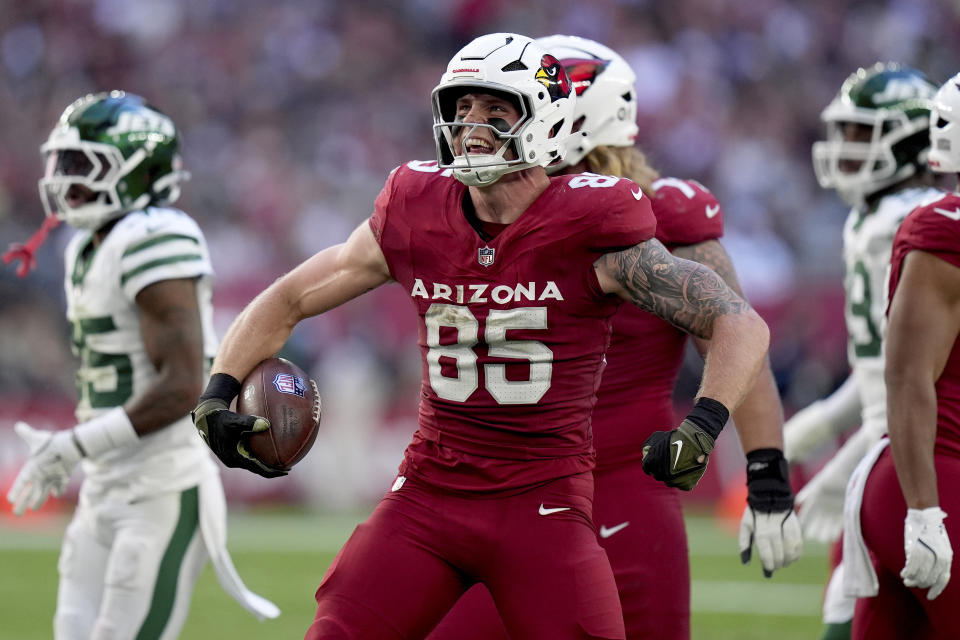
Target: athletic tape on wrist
(710,415)
(223,386)
(108,431)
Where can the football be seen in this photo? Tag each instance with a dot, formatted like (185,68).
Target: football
(281,392)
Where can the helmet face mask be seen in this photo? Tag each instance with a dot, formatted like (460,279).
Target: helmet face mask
(91,165)
(115,150)
(605,113)
(893,104)
(511,67)
(944,154)
(456,155)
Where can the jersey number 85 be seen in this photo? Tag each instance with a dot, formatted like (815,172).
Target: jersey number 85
(504,391)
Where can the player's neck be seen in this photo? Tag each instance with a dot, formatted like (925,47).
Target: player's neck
(100,234)
(507,198)
(580,167)
(920,180)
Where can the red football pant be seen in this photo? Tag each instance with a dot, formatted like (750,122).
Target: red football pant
(474,617)
(648,555)
(422,548)
(897,611)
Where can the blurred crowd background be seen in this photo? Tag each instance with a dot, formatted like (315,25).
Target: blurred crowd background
(293,112)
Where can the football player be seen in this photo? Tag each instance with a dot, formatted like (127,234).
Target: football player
(635,395)
(910,488)
(877,139)
(514,277)
(138,274)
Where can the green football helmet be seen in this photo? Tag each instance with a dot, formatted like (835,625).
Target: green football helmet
(109,154)
(894,103)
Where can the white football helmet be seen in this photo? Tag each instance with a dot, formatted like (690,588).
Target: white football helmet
(945,128)
(606,110)
(517,68)
(894,101)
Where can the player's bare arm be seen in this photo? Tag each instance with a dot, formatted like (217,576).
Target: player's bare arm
(173,337)
(326,280)
(924,323)
(759,418)
(694,298)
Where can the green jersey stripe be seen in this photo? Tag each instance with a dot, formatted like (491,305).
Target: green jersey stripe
(165,589)
(152,242)
(84,259)
(102,324)
(153,264)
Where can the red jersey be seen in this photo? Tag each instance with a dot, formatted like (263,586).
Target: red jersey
(935,229)
(512,330)
(645,354)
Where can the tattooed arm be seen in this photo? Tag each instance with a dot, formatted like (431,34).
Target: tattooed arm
(695,299)
(759,419)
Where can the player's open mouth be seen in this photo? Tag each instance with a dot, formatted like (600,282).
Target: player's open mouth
(478,145)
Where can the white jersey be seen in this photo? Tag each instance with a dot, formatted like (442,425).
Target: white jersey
(867,245)
(144,247)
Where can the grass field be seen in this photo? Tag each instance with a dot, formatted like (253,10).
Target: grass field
(283,556)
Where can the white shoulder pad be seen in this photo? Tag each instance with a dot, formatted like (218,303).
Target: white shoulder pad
(158,244)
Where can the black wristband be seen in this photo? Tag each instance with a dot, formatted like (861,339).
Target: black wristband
(766,463)
(223,386)
(710,415)
(768,481)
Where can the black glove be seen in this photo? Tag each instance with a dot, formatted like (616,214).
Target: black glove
(679,457)
(226,432)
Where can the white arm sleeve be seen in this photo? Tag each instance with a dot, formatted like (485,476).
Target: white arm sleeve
(824,419)
(838,469)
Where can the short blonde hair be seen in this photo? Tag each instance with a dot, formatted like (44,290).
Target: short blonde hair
(626,162)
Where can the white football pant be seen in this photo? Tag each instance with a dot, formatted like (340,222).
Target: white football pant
(127,569)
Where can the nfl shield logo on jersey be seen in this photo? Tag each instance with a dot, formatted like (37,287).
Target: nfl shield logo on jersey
(286,383)
(485,256)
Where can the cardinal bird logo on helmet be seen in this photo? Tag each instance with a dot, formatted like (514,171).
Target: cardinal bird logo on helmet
(584,72)
(553,76)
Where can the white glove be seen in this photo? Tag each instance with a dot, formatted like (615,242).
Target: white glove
(821,506)
(769,521)
(928,550)
(53,456)
(776,535)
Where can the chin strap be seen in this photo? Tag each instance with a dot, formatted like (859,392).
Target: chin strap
(25,252)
